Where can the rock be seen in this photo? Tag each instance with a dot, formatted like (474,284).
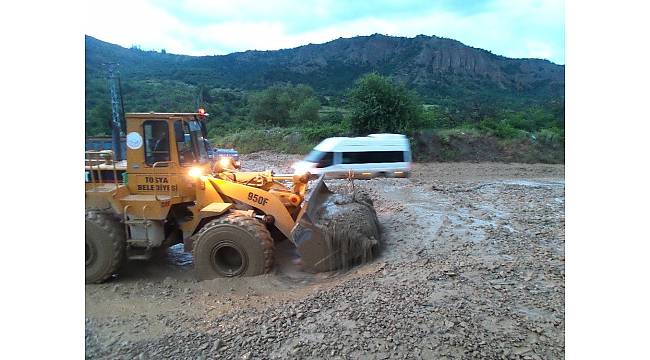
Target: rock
(522,350)
(217,344)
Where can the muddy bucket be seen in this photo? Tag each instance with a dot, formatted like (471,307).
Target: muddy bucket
(335,230)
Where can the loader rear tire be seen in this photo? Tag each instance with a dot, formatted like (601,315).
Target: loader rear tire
(234,245)
(105,246)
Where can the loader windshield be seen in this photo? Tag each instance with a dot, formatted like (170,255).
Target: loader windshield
(191,148)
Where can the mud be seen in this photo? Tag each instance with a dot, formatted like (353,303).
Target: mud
(351,230)
(472,266)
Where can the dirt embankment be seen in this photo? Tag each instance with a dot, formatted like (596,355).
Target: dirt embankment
(472,267)
(465,147)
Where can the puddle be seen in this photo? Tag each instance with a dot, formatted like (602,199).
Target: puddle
(535,183)
(176,256)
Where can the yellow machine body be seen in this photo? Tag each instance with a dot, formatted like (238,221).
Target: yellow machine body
(168,191)
(159,180)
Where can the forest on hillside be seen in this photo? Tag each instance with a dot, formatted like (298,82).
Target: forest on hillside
(293,115)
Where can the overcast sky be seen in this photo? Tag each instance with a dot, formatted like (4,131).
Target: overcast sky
(513,28)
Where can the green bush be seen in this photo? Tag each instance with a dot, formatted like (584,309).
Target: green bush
(277,138)
(284,105)
(289,118)
(323,131)
(251,140)
(307,110)
(433,117)
(521,122)
(550,136)
(500,129)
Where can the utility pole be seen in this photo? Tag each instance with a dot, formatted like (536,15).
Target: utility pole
(116,122)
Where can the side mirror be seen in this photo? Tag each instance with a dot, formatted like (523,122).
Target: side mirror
(179,134)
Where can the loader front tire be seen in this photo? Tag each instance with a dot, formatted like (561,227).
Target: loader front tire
(233,245)
(105,246)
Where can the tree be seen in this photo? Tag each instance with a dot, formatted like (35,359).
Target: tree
(283,105)
(299,94)
(98,119)
(379,105)
(307,111)
(270,106)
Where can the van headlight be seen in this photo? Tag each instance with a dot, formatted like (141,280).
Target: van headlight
(301,167)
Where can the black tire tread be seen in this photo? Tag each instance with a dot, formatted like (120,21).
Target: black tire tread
(114,230)
(250,225)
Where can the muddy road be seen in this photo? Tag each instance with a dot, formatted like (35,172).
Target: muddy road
(472,266)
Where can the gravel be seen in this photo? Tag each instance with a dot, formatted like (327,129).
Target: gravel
(472,267)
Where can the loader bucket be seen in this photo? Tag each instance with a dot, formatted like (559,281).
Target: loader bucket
(335,229)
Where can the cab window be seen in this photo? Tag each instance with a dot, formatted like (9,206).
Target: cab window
(184,145)
(191,145)
(198,140)
(156,137)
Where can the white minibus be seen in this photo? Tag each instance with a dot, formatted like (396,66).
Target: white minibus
(375,155)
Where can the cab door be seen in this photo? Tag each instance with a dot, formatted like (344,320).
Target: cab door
(151,157)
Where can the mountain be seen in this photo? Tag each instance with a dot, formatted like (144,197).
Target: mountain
(442,71)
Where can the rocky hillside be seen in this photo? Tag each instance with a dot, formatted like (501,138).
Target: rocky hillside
(439,69)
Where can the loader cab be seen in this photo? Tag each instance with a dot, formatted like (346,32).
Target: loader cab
(161,148)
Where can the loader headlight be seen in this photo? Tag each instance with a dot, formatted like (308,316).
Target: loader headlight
(225,163)
(301,177)
(195,172)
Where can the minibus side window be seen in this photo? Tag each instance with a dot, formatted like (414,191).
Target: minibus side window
(369,157)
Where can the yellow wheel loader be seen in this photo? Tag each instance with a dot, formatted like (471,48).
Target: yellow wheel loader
(168,192)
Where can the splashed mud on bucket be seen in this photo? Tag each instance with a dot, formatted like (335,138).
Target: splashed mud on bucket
(351,229)
(341,229)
